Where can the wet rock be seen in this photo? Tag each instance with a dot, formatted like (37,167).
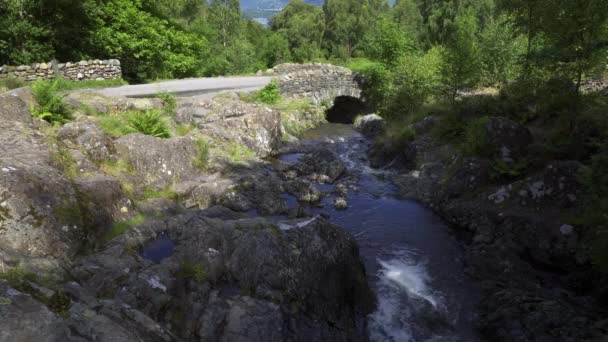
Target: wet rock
(308,273)
(322,166)
(371,125)
(303,190)
(340,203)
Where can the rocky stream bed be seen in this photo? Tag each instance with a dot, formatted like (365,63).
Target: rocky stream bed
(299,240)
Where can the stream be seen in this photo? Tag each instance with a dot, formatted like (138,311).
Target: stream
(414,265)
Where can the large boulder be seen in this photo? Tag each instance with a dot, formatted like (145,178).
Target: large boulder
(23,319)
(508,139)
(371,125)
(159,162)
(88,138)
(254,126)
(15,105)
(223,277)
(321,165)
(40,209)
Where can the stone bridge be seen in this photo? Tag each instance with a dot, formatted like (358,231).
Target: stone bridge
(320,82)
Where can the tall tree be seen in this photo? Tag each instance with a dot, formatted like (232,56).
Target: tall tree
(346,22)
(577,36)
(407,14)
(303,26)
(224,17)
(527,16)
(461,56)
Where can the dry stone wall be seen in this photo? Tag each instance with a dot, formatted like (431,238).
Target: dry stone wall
(83,70)
(320,82)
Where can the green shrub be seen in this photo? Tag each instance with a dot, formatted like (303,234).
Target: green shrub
(163,193)
(170,103)
(148,122)
(595,213)
(270,94)
(63,84)
(201,161)
(238,153)
(192,270)
(114,125)
(51,106)
(451,128)
(475,141)
(504,170)
(182,130)
(119,228)
(12,83)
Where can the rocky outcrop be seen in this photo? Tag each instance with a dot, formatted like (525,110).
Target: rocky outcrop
(223,277)
(320,82)
(15,105)
(254,126)
(371,125)
(104,239)
(83,70)
(522,244)
(83,102)
(159,162)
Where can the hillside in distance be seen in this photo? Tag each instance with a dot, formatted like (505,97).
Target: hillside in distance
(271,4)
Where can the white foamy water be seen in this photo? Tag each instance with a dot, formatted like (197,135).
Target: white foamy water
(404,292)
(412,278)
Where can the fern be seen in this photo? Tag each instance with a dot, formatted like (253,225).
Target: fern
(148,122)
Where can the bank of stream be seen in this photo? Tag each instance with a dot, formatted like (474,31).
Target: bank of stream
(414,264)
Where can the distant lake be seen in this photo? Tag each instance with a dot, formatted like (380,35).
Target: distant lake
(263,21)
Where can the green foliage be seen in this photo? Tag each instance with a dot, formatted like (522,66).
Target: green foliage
(193,270)
(415,79)
(270,94)
(51,106)
(65,85)
(64,160)
(302,25)
(500,52)
(167,193)
(386,42)
(114,125)
(28,282)
(146,45)
(451,128)
(121,227)
(201,161)
(461,67)
(183,129)
(169,103)
(508,170)
(475,141)
(12,83)
(594,216)
(238,153)
(148,122)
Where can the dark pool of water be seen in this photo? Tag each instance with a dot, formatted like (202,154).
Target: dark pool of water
(159,249)
(414,265)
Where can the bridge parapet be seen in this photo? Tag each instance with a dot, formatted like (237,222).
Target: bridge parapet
(320,82)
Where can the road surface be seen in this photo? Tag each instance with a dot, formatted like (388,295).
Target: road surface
(189,87)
